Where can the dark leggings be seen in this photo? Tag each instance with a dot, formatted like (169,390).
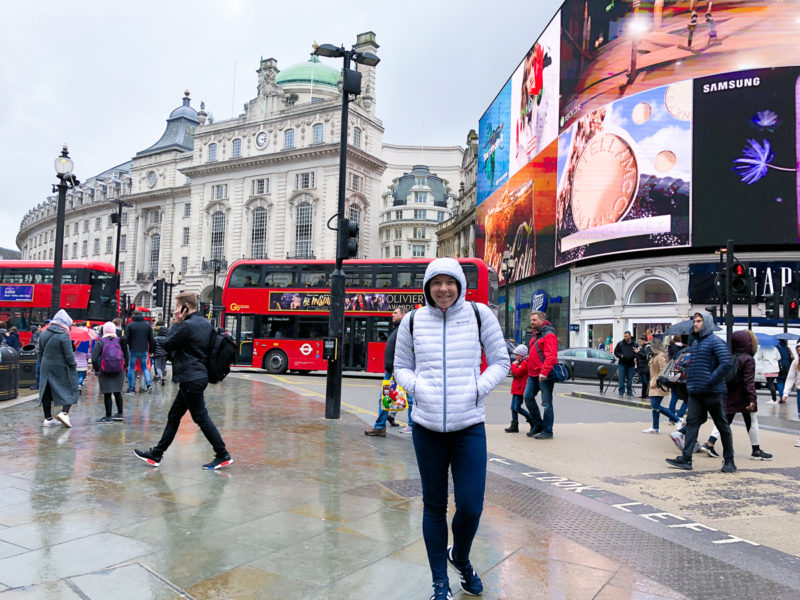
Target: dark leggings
(47,403)
(107,401)
(773,389)
(464,454)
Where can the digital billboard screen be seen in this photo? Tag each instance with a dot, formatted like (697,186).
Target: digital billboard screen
(615,48)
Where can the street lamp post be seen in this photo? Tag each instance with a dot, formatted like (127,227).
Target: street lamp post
(507,269)
(351,84)
(66,180)
(217,265)
(168,295)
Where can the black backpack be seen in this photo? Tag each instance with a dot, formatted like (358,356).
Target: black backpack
(221,354)
(732,374)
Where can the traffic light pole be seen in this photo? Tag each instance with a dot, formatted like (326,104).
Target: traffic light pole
(333,387)
(729,293)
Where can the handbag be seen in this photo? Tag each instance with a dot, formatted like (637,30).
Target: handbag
(558,373)
(394,397)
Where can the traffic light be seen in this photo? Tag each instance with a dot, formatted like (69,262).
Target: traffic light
(712,310)
(351,241)
(792,306)
(740,280)
(158,292)
(772,306)
(131,310)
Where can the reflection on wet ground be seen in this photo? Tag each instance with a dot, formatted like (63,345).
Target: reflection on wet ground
(310,509)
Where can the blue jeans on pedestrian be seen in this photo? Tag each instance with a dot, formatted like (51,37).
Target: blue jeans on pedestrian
(674,402)
(516,410)
(545,422)
(142,358)
(655,405)
(625,373)
(81,378)
(464,454)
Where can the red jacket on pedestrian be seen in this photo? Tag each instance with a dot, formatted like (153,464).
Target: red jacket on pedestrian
(545,339)
(520,374)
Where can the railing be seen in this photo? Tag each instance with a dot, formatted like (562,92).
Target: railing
(301,257)
(214,264)
(152,276)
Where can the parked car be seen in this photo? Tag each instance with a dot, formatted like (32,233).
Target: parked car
(582,363)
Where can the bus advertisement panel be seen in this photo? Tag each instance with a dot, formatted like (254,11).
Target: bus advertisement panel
(277,311)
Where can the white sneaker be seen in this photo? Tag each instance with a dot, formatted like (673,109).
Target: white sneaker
(677,437)
(50,423)
(649,430)
(406,429)
(797,444)
(64,419)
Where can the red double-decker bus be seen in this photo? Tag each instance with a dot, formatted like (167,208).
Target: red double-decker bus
(278,310)
(88,292)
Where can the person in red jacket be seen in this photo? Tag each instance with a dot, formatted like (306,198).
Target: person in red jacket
(519,371)
(542,357)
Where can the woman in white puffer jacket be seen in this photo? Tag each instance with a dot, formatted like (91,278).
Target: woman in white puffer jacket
(440,365)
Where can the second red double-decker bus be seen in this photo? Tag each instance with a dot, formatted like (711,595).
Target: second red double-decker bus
(88,292)
(278,310)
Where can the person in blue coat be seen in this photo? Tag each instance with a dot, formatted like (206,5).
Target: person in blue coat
(705,382)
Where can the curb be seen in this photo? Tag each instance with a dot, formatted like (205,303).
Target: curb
(611,400)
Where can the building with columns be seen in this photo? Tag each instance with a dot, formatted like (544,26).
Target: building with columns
(261,185)
(456,235)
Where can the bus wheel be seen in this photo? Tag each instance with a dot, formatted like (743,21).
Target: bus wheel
(275,362)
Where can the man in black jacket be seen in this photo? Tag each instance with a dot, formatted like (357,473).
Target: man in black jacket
(139,337)
(625,352)
(187,345)
(379,429)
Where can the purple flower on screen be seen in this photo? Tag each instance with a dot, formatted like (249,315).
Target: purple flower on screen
(766,119)
(754,162)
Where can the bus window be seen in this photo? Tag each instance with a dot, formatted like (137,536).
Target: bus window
(312,328)
(410,276)
(471,273)
(312,276)
(277,327)
(381,330)
(384,276)
(245,276)
(278,276)
(358,276)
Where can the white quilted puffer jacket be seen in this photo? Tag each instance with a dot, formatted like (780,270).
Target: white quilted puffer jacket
(443,368)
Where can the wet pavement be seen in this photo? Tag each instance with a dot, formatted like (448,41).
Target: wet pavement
(314,509)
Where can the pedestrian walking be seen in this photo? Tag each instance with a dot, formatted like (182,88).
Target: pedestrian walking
(705,382)
(769,358)
(741,397)
(519,374)
(58,378)
(657,364)
(139,337)
(626,355)
(81,357)
(542,357)
(379,428)
(187,346)
(160,354)
(110,359)
(440,366)
(783,366)
(643,355)
(793,383)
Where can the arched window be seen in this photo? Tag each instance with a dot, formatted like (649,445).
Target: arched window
(356,137)
(305,215)
(319,133)
(155,249)
(212,152)
(600,295)
(218,235)
(237,148)
(354,213)
(288,139)
(143,299)
(258,235)
(652,291)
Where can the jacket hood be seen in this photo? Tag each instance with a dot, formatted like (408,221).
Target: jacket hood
(445,266)
(138,318)
(63,319)
(708,324)
(744,342)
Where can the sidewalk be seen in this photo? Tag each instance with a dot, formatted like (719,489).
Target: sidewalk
(314,509)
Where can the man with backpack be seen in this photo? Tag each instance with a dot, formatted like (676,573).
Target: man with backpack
(705,382)
(542,359)
(139,337)
(187,344)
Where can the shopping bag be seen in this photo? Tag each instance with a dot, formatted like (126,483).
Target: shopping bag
(394,397)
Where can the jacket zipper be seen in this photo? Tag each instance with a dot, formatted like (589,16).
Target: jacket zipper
(444,371)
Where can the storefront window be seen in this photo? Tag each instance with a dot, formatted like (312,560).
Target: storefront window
(600,295)
(652,291)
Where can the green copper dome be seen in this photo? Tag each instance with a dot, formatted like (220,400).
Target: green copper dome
(310,72)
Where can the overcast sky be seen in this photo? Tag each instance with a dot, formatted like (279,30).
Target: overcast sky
(104,76)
